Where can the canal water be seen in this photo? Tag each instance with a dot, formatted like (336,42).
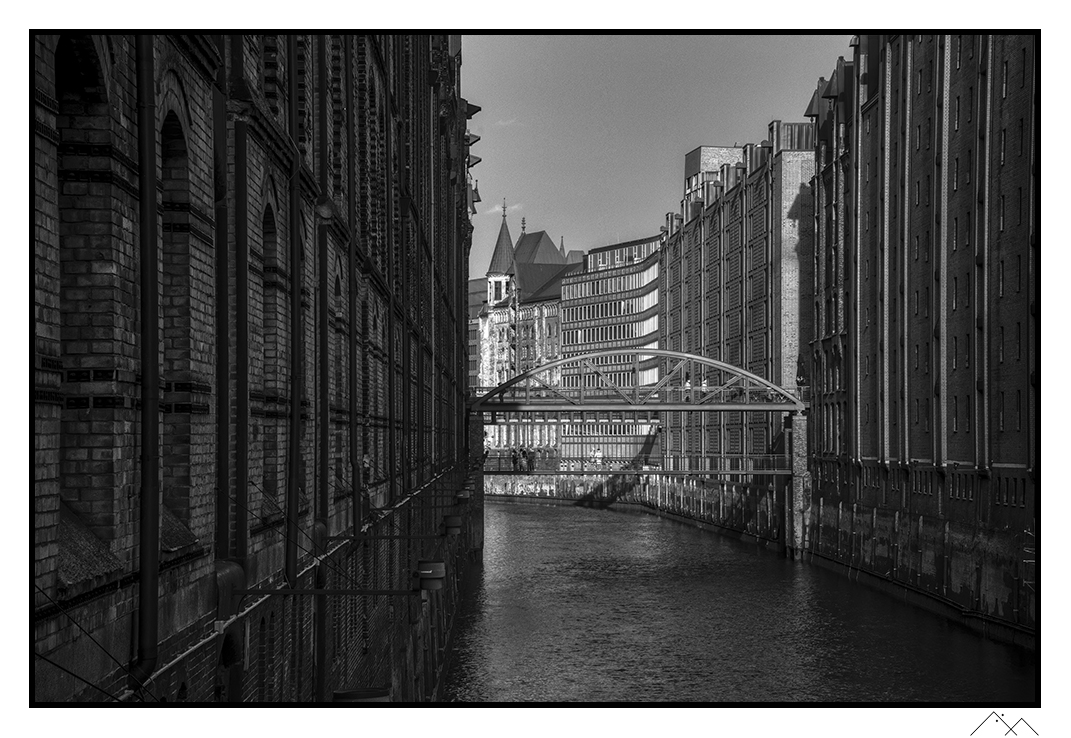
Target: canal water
(579,604)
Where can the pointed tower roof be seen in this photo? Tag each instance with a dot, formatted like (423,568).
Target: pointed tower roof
(561,249)
(502,258)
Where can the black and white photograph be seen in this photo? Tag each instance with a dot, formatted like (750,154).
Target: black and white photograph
(620,368)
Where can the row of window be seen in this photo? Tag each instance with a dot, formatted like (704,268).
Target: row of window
(612,308)
(610,285)
(606,429)
(621,256)
(622,332)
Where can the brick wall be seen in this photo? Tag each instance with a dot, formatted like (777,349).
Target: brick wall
(88,355)
(939,293)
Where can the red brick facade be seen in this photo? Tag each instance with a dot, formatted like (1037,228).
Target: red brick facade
(345,157)
(924,455)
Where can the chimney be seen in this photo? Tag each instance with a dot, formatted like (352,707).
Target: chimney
(775,136)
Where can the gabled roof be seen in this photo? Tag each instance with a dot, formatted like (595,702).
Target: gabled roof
(551,289)
(537,248)
(502,258)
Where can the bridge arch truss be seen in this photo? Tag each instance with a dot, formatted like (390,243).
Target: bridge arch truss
(581,384)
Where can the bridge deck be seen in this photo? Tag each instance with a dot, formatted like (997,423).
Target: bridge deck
(639,472)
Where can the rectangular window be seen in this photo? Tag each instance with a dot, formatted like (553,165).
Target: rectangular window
(955,175)
(916,248)
(916,355)
(916,309)
(1004,82)
(1001,215)
(1003,140)
(956,119)
(959,50)
(1000,346)
(955,291)
(1000,279)
(955,351)
(967,413)
(918,136)
(1000,413)
(955,233)
(955,414)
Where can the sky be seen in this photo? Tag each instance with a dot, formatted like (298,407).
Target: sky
(585,136)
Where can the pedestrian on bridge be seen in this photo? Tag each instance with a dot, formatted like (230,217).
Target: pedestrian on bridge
(513,457)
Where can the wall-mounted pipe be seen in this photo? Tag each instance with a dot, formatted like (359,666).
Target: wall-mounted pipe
(297,281)
(355,467)
(223,335)
(149,554)
(241,302)
(324,415)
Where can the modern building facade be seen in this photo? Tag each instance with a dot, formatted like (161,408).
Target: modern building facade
(924,363)
(734,270)
(612,303)
(250,261)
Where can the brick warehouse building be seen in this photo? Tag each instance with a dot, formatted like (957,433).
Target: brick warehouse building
(309,200)
(924,454)
(735,276)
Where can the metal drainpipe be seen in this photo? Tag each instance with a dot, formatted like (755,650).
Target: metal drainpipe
(297,282)
(223,366)
(149,554)
(324,418)
(241,267)
(355,478)
(324,296)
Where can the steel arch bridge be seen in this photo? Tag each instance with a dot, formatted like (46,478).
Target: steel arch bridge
(693,384)
(589,388)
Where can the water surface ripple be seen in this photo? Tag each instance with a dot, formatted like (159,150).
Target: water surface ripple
(576,604)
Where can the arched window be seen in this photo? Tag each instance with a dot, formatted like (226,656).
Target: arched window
(176,311)
(275,356)
(97,317)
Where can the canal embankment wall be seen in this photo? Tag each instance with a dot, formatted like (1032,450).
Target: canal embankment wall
(969,574)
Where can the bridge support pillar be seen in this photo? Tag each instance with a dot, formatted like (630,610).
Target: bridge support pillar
(799,485)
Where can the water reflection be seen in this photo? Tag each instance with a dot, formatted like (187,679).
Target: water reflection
(582,604)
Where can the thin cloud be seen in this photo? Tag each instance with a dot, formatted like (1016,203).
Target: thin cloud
(510,122)
(497,209)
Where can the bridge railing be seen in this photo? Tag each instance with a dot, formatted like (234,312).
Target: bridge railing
(643,396)
(725,464)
